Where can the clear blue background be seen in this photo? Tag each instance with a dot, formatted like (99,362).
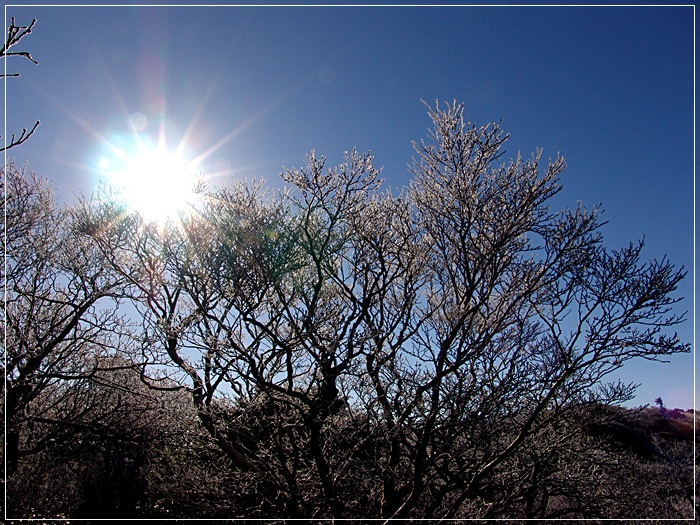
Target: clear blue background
(252,89)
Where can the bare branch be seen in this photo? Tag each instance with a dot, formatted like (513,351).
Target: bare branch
(16,33)
(23,137)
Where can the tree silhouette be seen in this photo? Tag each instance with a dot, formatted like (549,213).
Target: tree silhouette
(355,353)
(60,316)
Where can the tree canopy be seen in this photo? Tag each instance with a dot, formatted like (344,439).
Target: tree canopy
(342,350)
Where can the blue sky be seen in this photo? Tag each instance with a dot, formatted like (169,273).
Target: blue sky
(256,88)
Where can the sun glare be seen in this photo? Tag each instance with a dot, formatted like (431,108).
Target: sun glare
(155,183)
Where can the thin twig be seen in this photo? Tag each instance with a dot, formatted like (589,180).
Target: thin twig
(23,137)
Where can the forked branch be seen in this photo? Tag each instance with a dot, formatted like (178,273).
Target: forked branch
(16,33)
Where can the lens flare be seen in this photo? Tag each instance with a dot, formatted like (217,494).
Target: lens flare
(152,181)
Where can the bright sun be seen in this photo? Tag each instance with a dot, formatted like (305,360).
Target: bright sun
(155,183)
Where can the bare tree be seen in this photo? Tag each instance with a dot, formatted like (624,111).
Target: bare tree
(60,315)
(525,314)
(16,33)
(357,353)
